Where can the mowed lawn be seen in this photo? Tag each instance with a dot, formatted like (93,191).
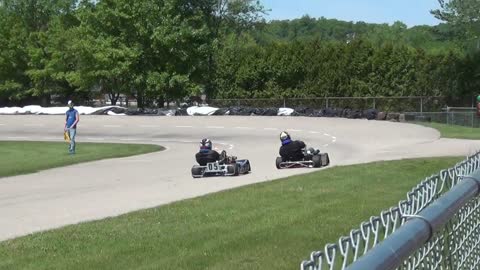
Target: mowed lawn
(271,225)
(454,131)
(28,157)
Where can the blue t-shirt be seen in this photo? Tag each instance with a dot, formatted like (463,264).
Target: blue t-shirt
(71,117)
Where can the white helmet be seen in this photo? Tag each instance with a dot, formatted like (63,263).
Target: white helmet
(284,136)
(206,144)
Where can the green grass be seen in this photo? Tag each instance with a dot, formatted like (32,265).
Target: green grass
(271,225)
(29,157)
(454,131)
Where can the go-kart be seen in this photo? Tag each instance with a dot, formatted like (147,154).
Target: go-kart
(311,159)
(226,166)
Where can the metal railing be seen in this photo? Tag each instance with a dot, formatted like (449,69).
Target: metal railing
(397,104)
(466,117)
(454,246)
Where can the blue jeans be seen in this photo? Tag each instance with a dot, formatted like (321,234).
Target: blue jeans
(72,132)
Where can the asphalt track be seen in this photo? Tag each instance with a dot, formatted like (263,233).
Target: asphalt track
(95,190)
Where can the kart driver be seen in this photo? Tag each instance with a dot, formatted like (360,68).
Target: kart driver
(291,150)
(206,154)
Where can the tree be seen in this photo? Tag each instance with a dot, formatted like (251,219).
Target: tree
(463,13)
(103,52)
(13,58)
(225,17)
(32,21)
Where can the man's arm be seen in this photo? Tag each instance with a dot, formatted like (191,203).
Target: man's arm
(66,119)
(216,155)
(301,144)
(77,118)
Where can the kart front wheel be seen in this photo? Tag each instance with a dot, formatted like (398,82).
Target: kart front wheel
(196,171)
(278,162)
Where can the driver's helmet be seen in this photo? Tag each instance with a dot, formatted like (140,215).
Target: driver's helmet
(285,138)
(206,144)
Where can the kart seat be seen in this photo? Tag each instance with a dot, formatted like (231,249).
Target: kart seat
(206,157)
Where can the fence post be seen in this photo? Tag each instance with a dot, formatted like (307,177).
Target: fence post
(284,104)
(374,103)
(472,118)
(326,102)
(448,115)
(421,105)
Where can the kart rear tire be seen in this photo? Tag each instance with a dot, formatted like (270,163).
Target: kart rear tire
(317,161)
(325,159)
(278,162)
(196,172)
(247,167)
(237,169)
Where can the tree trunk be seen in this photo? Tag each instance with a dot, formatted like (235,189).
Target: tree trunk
(161,102)
(113,98)
(140,99)
(45,100)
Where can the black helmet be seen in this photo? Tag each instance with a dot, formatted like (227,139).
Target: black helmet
(285,138)
(206,144)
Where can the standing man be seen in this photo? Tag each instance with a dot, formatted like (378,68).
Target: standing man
(72,118)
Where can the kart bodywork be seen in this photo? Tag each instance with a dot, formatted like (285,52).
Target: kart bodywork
(226,166)
(309,160)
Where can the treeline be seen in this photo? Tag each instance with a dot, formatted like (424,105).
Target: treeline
(357,68)
(439,38)
(167,50)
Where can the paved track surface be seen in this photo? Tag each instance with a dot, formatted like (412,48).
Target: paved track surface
(95,190)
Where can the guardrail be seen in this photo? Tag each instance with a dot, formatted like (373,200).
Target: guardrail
(427,223)
(445,235)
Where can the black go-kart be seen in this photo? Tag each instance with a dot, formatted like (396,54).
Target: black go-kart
(226,166)
(311,159)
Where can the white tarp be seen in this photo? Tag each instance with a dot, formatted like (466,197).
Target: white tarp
(35,109)
(195,110)
(285,111)
(10,110)
(112,113)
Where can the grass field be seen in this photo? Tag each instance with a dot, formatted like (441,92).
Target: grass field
(271,225)
(28,157)
(454,131)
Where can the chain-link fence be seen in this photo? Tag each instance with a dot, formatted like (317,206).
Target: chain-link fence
(457,246)
(387,104)
(464,116)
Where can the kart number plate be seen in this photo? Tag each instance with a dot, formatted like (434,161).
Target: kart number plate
(213,167)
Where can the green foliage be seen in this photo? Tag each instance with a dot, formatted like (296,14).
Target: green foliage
(464,15)
(167,50)
(438,38)
(13,56)
(356,68)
